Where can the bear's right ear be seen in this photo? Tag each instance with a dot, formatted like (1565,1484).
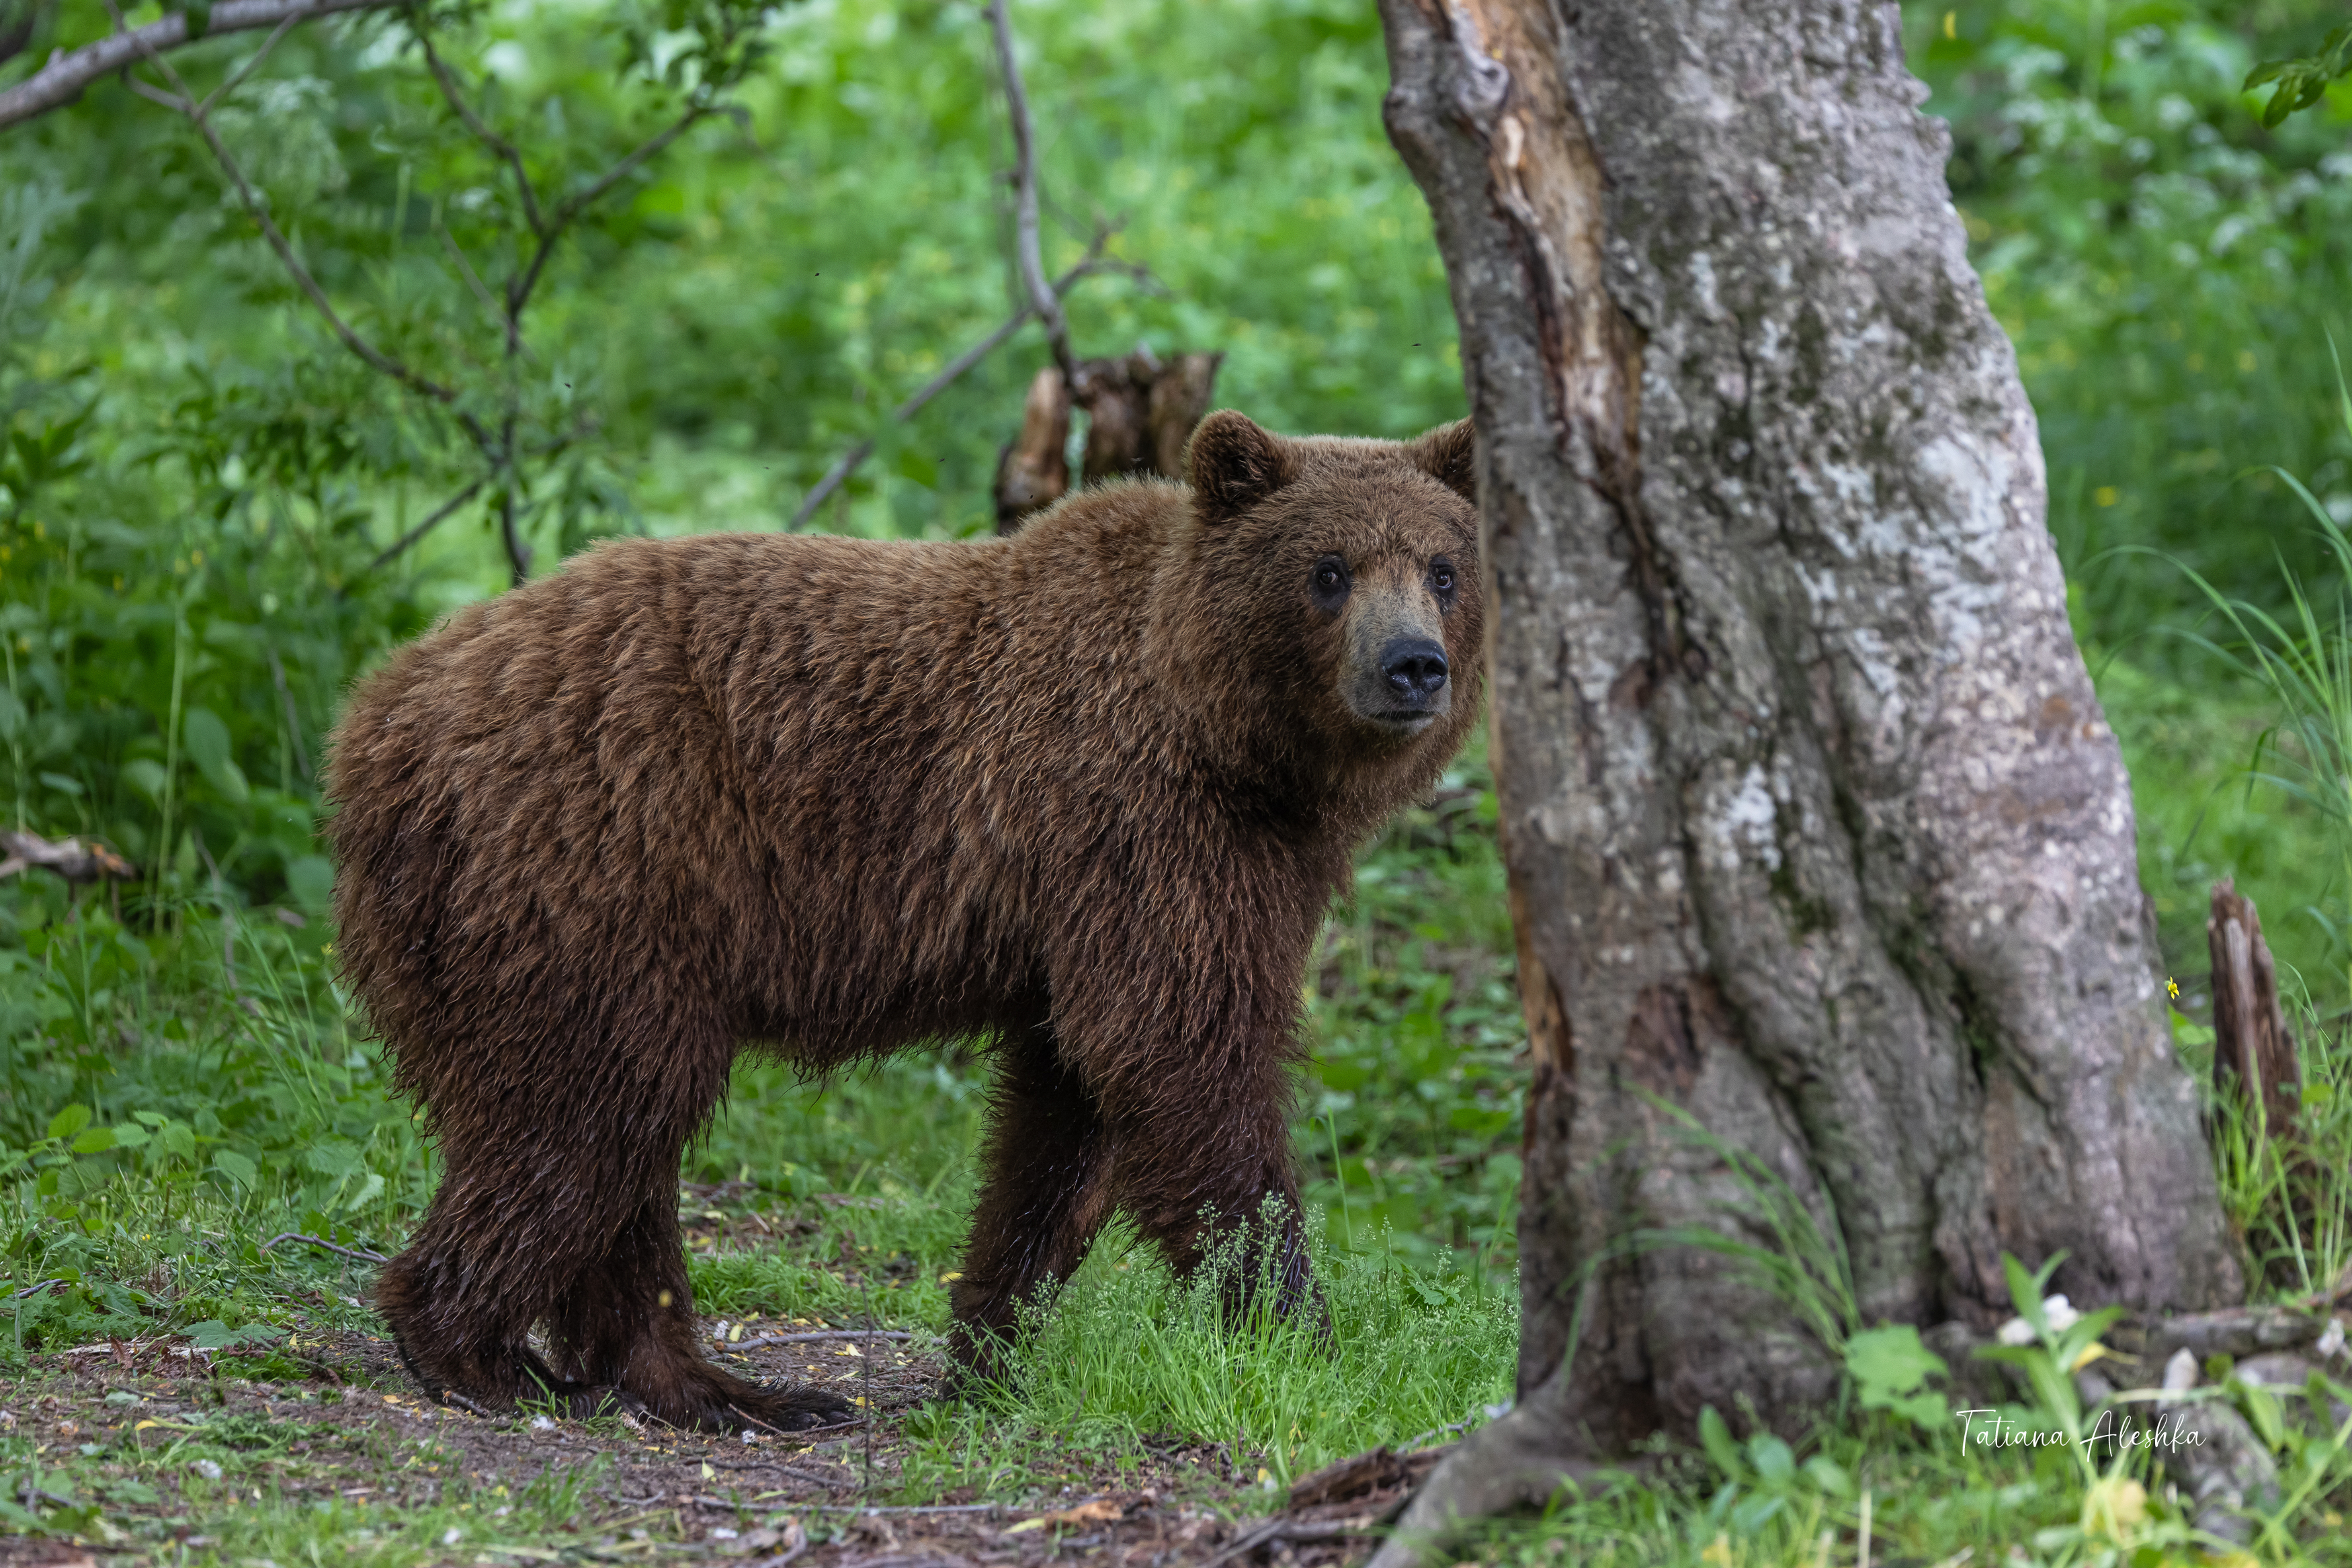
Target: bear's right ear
(1449,454)
(1233,464)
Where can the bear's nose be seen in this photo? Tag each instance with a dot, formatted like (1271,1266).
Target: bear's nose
(1413,668)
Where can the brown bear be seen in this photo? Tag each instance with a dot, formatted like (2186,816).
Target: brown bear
(1085,793)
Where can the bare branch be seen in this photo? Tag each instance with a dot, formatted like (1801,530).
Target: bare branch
(61,81)
(376,359)
(1042,299)
(172,101)
(440,514)
(482,293)
(846,464)
(518,289)
(237,78)
(498,144)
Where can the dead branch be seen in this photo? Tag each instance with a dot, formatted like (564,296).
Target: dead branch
(1034,471)
(69,857)
(846,464)
(1042,299)
(62,80)
(2254,1055)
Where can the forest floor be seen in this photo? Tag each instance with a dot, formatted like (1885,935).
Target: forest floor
(186,1452)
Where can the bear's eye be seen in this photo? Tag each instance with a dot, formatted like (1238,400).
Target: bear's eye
(1441,577)
(1329,580)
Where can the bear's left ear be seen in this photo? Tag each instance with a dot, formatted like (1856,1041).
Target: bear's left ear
(1233,464)
(1449,454)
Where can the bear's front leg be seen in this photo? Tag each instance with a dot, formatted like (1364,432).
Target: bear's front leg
(1046,1190)
(1189,1051)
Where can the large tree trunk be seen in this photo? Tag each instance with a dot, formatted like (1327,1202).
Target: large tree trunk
(1814,829)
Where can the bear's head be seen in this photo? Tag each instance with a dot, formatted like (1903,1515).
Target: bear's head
(1338,580)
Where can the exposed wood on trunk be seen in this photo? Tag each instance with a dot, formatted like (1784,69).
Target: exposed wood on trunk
(1816,831)
(1140,412)
(2251,1042)
(1034,471)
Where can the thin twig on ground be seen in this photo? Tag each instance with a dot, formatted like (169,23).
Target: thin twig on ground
(816,1335)
(360,1253)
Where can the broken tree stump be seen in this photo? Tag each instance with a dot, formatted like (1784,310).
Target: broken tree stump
(1140,412)
(2251,1042)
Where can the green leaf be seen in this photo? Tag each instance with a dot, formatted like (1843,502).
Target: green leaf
(1716,1438)
(96,1141)
(1773,1460)
(919,467)
(208,741)
(63,785)
(129,1136)
(145,775)
(68,1122)
(1888,1366)
(310,881)
(237,1167)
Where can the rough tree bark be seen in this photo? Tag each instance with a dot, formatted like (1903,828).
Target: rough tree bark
(1814,829)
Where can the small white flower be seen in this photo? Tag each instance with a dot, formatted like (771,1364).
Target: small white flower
(2016,1332)
(208,1469)
(2061,1313)
(2331,1339)
(451,1536)
(722,1533)
(542,1424)
(2180,1372)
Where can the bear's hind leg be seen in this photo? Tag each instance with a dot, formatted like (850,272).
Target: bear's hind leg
(628,1324)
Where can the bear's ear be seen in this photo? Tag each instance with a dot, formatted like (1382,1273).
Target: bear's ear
(1449,454)
(1233,464)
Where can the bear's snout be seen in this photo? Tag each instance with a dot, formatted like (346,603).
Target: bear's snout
(1397,676)
(1413,669)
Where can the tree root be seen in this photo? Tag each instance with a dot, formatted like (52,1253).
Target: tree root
(1521,1461)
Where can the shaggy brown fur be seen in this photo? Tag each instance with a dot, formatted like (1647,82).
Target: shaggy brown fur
(1085,791)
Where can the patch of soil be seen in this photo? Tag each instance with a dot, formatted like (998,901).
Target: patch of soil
(342,1421)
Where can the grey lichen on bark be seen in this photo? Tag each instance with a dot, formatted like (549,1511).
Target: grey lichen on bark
(1814,828)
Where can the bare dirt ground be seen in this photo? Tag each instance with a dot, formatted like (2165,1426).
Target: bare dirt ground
(353,1430)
